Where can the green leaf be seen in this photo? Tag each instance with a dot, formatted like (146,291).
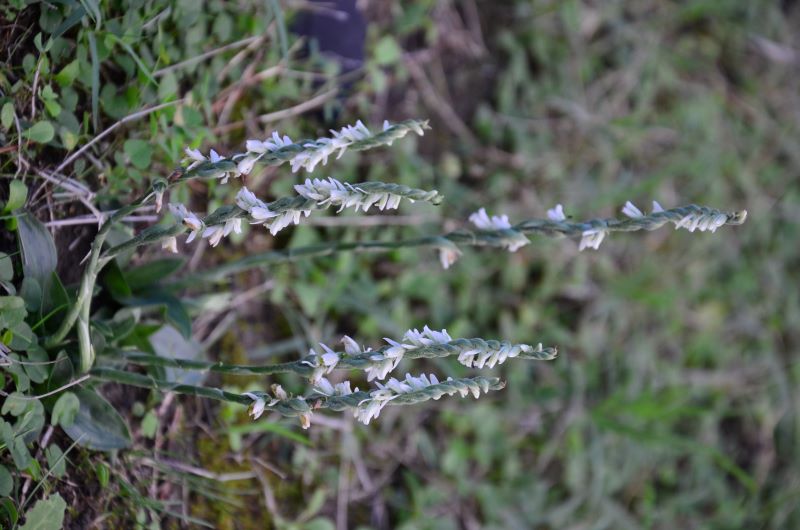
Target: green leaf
(6,267)
(55,297)
(153,272)
(149,425)
(387,51)
(47,514)
(139,152)
(15,404)
(12,311)
(56,460)
(176,313)
(7,115)
(268,426)
(168,342)
(23,337)
(11,515)
(17,194)
(65,410)
(102,472)
(40,132)
(30,424)
(68,74)
(142,67)
(19,453)
(39,258)
(31,292)
(114,281)
(6,482)
(98,425)
(95,79)
(37,371)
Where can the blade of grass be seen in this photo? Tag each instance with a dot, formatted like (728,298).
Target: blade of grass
(95,81)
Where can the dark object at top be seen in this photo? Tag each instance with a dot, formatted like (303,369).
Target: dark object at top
(337,29)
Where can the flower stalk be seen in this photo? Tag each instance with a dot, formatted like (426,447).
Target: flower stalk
(470,352)
(365,404)
(303,154)
(449,244)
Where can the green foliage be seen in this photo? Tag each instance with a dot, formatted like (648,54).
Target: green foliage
(97,425)
(46,514)
(673,404)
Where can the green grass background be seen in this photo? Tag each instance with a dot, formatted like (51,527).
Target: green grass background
(674,402)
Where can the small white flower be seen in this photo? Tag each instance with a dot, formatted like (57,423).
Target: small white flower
(268,146)
(467,358)
(214,234)
(657,208)
(258,209)
(343,388)
(330,358)
(232,225)
(482,221)
(279,392)
(438,337)
(417,128)
(326,388)
(284,219)
(513,241)
(196,156)
(323,363)
(245,165)
(381,365)
(214,157)
(632,211)
(592,238)
(351,347)
(159,200)
(448,256)
(369,409)
(305,419)
(171,244)
(557,213)
(189,219)
(386,125)
(256,409)
(702,222)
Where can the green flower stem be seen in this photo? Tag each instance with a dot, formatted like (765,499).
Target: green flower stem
(81,309)
(274,257)
(359,361)
(490,238)
(295,406)
(155,234)
(646,222)
(146,381)
(286,153)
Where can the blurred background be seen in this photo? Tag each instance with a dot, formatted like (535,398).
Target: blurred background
(674,401)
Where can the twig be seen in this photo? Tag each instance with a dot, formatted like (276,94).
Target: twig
(208,54)
(56,391)
(305,106)
(92,219)
(131,117)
